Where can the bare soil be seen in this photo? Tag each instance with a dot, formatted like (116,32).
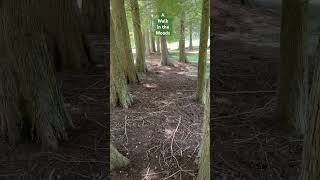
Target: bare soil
(160,133)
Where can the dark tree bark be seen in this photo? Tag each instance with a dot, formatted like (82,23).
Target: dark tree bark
(190,38)
(292,93)
(31,104)
(182,44)
(94,13)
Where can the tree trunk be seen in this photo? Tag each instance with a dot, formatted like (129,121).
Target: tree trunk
(204,163)
(147,43)
(182,44)
(203,50)
(122,36)
(164,51)
(153,44)
(65,37)
(94,14)
(292,93)
(31,104)
(158,45)
(249,3)
(190,38)
(311,156)
(118,85)
(117,160)
(140,59)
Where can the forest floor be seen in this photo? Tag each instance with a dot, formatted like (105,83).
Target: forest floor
(248,143)
(84,155)
(160,133)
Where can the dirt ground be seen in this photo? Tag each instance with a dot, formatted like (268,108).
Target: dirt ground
(248,143)
(160,133)
(84,156)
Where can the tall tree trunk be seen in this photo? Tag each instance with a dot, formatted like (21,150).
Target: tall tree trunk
(117,160)
(153,44)
(94,16)
(203,50)
(140,59)
(190,37)
(122,36)
(31,105)
(118,84)
(164,51)
(204,163)
(182,44)
(292,95)
(311,156)
(158,45)
(65,36)
(147,43)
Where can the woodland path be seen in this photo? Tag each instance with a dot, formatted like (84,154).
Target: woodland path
(163,102)
(248,144)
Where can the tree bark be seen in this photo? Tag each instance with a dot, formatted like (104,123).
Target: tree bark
(117,160)
(164,51)
(118,85)
(31,104)
(158,45)
(190,38)
(122,36)
(311,155)
(204,163)
(182,44)
(94,14)
(292,93)
(153,44)
(65,36)
(140,59)
(203,50)
(147,43)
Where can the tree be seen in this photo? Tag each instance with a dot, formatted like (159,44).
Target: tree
(122,36)
(293,87)
(182,50)
(164,51)
(117,160)
(249,3)
(158,45)
(118,84)
(64,33)
(147,42)
(204,163)
(311,156)
(140,58)
(203,50)
(190,37)
(31,104)
(153,44)
(94,14)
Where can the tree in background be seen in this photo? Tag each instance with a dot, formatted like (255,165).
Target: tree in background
(292,95)
(122,36)
(182,44)
(140,58)
(190,37)
(158,45)
(164,51)
(203,50)
(31,104)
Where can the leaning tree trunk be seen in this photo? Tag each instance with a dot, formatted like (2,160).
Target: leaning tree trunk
(117,160)
(65,37)
(182,44)
(311,156)
(158,45)
(122,36)
(190,37)
(118,84)
(164,51)
(203,50)
(140,59)
(292,93)
(94,16)
(31,104)
(204,162)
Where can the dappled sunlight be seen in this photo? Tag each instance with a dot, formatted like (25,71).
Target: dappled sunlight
(149,174)
(168,133)
(150,85)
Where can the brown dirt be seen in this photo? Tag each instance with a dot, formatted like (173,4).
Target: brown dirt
(146,131)
(248,143)
(84,156)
